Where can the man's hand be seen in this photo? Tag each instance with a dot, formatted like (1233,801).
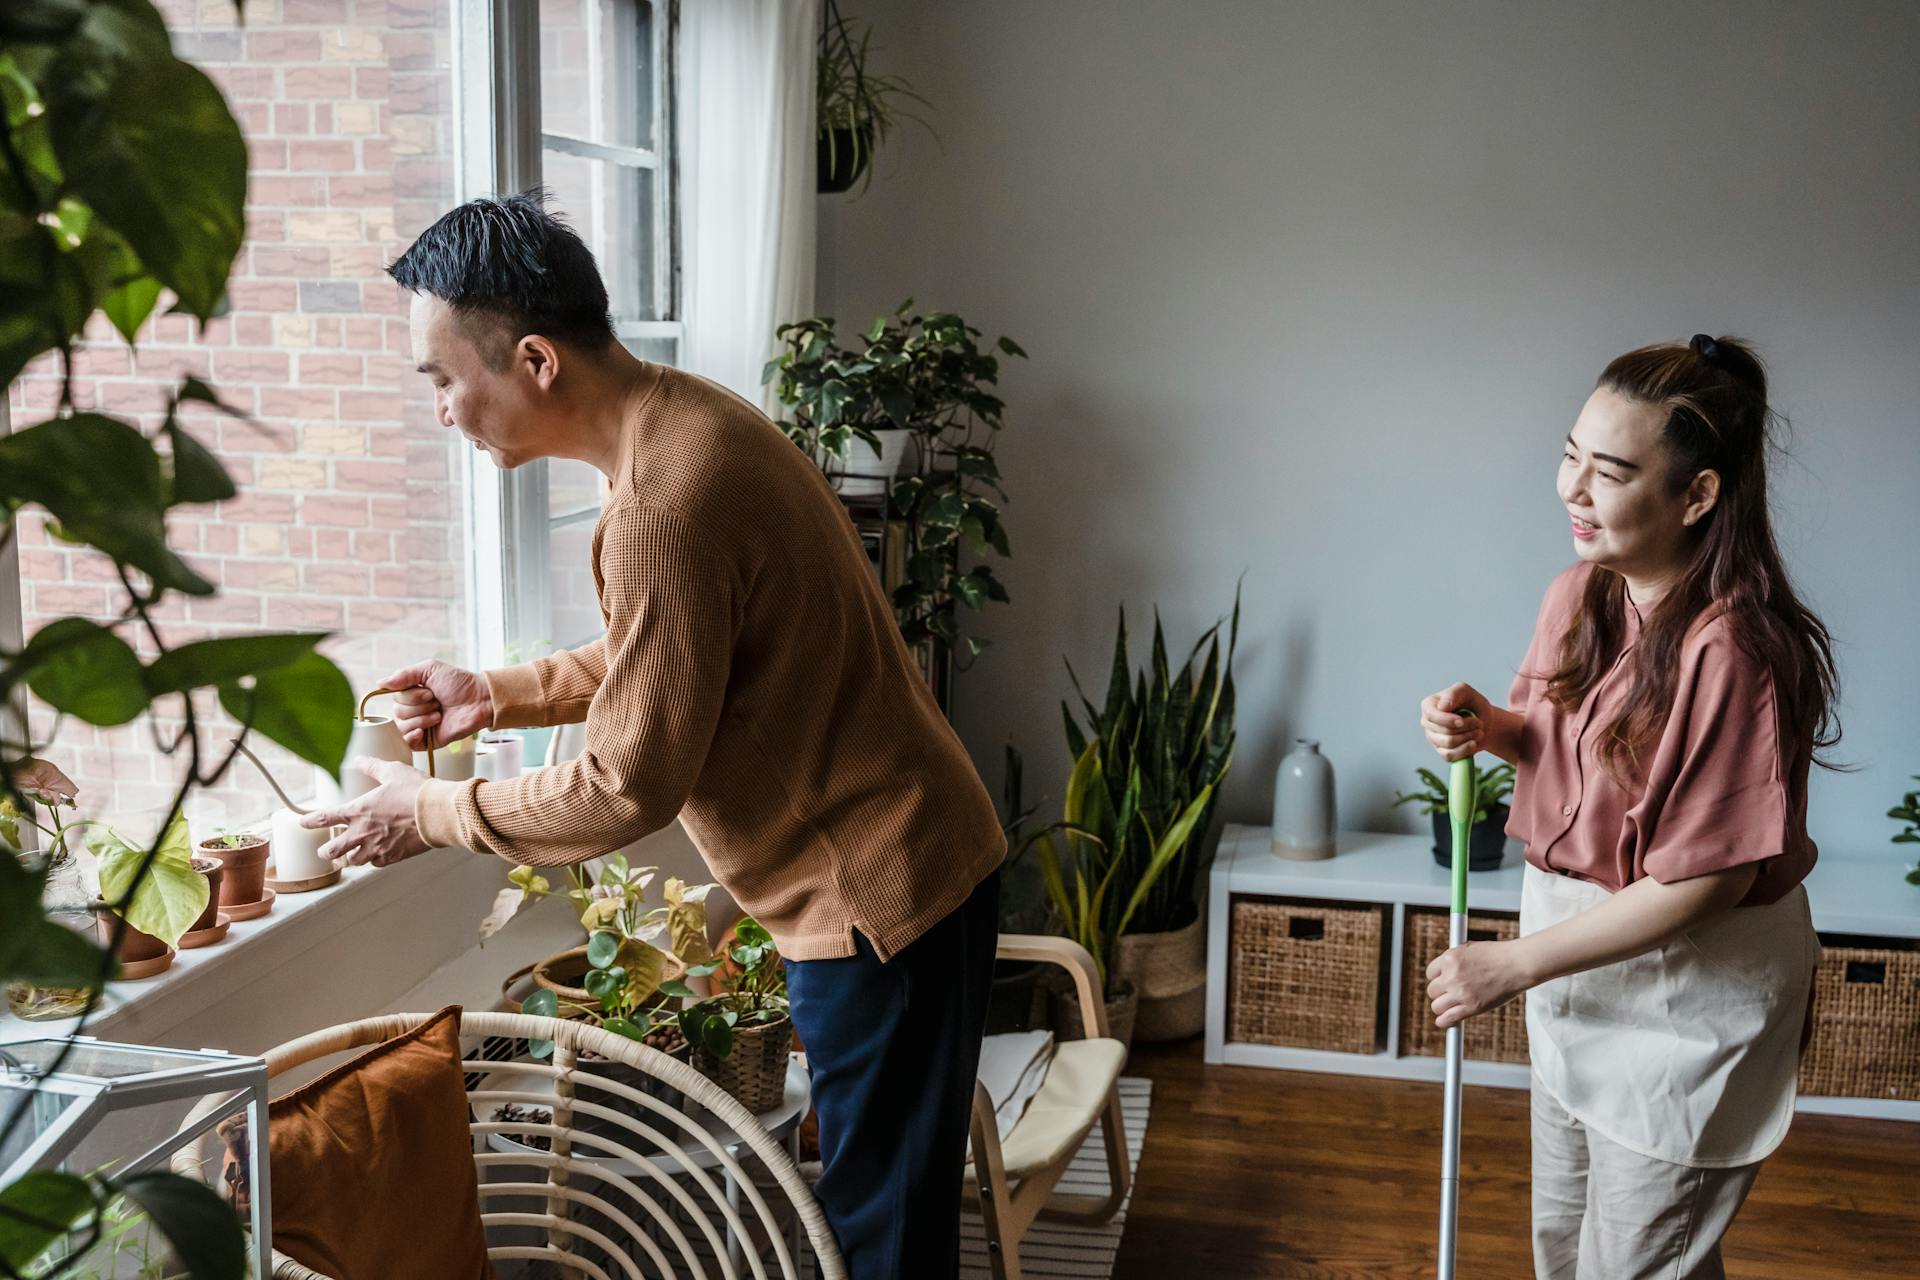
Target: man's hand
(380,826)
(442,697)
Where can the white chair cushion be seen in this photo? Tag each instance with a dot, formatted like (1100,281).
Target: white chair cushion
(1057,1120)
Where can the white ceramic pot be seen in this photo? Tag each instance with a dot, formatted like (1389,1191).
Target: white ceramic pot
(449,765)
(498,758)
(866,474)
(296,850)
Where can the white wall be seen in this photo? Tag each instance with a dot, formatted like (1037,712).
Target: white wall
(1314,291)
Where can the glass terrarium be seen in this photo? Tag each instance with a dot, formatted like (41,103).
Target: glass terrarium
(82,1103)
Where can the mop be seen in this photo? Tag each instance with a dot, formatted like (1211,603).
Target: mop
(1460,812)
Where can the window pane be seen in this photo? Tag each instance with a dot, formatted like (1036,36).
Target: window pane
(350,515)
(573,486)
(611,206)
(569,568)
(595,71)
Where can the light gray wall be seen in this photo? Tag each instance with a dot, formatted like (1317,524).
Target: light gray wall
(1314,291)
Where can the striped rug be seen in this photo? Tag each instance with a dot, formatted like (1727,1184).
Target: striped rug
(1058,1249)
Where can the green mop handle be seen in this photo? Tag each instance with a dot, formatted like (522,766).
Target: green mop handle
(1460,789)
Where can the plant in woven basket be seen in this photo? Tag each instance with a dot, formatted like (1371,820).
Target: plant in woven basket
(1146,771)
(1908,811)
(753,996)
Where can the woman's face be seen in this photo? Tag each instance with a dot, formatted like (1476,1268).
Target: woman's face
(1615,483)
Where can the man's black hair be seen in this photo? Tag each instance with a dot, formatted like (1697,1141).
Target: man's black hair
(508,264)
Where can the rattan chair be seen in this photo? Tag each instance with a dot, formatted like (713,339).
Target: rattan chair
(1081,1089)
(643,1160)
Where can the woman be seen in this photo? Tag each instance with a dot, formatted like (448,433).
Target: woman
(1662,727)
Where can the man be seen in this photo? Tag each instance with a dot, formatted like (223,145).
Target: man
(752,682)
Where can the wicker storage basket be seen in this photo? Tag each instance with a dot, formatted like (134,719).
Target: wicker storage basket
(1866,1025)
(755,1073)
(1307,974)
(1497,1036)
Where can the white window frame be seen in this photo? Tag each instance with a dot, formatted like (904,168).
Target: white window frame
(497,117)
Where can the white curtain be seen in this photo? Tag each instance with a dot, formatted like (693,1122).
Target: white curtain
(747,182)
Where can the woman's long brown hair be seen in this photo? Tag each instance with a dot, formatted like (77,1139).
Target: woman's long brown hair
(1717,419)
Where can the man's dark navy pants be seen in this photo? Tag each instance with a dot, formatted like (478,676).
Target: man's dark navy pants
(894,1049)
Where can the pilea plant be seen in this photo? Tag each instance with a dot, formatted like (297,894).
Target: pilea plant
(754,994)
(123,179)
(928,375)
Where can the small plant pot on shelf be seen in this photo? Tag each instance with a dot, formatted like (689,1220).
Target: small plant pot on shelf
(212,924)
(1123,1003)
(1486,843)
(755,1073)
(245,858)
(141,954)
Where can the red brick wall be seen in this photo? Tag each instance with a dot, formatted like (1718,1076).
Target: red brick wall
(349,517)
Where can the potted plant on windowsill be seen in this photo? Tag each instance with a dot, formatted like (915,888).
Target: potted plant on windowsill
(64,895)
(855,108)
(243,889)
(1487,845)
(145,912)
(742,1035)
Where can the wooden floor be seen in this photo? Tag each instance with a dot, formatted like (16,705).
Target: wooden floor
(1255,1173)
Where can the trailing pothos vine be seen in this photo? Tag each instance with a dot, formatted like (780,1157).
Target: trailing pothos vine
(123,179)
(926,375)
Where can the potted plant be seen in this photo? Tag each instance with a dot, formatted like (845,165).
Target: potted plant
(855,108)
(922,382)
(1487,844)
(147,903)
(63,894)
(742,1034)
(1147,769)
(1908,811)
(243,889)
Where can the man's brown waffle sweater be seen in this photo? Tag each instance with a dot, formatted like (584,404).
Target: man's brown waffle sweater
(752,683)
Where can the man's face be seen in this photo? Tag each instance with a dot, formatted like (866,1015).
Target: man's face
(498,409)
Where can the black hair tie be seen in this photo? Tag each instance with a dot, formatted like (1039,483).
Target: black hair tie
(1707,349)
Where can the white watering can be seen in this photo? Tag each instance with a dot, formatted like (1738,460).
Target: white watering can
(296,850)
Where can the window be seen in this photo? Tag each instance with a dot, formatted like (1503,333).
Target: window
(577,96)
(351,515)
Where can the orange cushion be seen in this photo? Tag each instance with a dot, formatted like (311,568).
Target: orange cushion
(373,1174)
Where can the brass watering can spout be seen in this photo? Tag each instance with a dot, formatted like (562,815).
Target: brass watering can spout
(375,736)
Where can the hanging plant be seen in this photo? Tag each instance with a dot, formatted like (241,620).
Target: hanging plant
(855,109)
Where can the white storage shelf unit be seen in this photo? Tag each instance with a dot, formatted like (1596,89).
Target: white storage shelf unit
(1856,896)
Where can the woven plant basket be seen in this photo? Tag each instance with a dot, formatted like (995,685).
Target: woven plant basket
(1496,1036)
(1169,971)
(755,1073)
(1307,974)
(1866,1025)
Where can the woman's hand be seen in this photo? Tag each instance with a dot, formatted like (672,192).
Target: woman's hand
(441,697)
(1453,735)
(1473,978)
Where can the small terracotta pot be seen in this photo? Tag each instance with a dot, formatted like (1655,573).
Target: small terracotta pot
(215,872)
(245,881)
(135,946)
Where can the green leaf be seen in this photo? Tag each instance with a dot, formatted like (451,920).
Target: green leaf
(197,474)
(158,891)
(37,1210)
(69,222)
(541,1004)
(204,663)
(679,990)
(85,670)
(716,1033)
(306,706)
(625,1027)
(55,956)
(602,947)
(1011,347)
(197,1222)
(102,481)
(148,141)
(129,305)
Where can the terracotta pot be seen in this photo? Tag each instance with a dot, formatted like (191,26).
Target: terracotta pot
(137,949)
(245,881)
(214,872)
(1121,1007)
(563,972)
(1169,970)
